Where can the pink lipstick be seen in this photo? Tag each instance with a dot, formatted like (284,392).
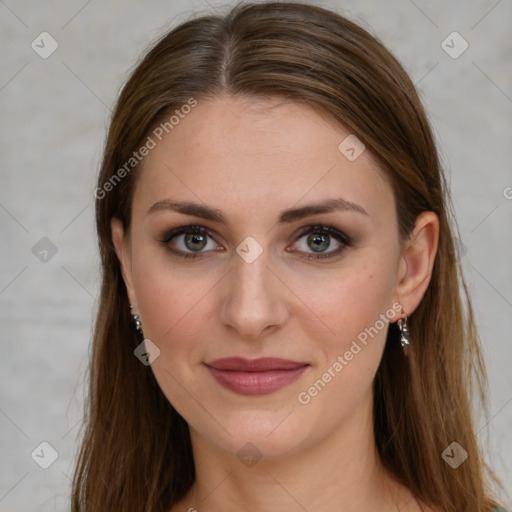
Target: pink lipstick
(255,376)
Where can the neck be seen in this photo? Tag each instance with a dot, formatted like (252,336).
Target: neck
(339,472)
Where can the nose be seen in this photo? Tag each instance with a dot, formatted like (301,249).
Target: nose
(254,301)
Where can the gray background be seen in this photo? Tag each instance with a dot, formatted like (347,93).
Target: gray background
(54,114)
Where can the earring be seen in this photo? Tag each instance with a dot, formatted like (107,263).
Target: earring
(136,321)
(404,334)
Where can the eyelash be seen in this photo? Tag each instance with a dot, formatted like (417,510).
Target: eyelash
(339,236)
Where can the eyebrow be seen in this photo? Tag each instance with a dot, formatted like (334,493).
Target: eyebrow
(285,217)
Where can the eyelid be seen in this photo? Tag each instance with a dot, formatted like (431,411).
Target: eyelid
(325,229)
(185,228)
(341,237)
(182,230)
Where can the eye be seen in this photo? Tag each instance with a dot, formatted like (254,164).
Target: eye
(191,241)
(184,241)
(319,239)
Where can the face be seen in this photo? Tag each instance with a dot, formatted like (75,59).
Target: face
(255,271)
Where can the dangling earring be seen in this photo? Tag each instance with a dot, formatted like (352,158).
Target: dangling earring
(137,322)
(404,333)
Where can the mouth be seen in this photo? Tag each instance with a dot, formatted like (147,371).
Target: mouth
(257,376)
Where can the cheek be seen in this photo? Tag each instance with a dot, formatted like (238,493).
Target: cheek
(335,314)
(171,304)
(349,302)
(178,305)
(174,311)
(355,310)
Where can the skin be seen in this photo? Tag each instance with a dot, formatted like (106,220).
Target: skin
(250,160)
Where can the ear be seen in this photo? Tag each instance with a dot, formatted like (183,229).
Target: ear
(122,248)
(417,262)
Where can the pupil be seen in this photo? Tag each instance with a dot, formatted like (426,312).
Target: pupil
(194,239)
(321,242)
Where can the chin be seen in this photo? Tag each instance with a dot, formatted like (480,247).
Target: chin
(257,434)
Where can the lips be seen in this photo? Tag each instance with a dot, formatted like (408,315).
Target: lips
(255,376)
(254,365)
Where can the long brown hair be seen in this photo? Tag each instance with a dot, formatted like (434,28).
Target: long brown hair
(135,455)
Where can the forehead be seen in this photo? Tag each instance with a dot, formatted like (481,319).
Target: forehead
(253,154)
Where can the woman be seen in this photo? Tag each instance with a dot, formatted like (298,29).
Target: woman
(272,214)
